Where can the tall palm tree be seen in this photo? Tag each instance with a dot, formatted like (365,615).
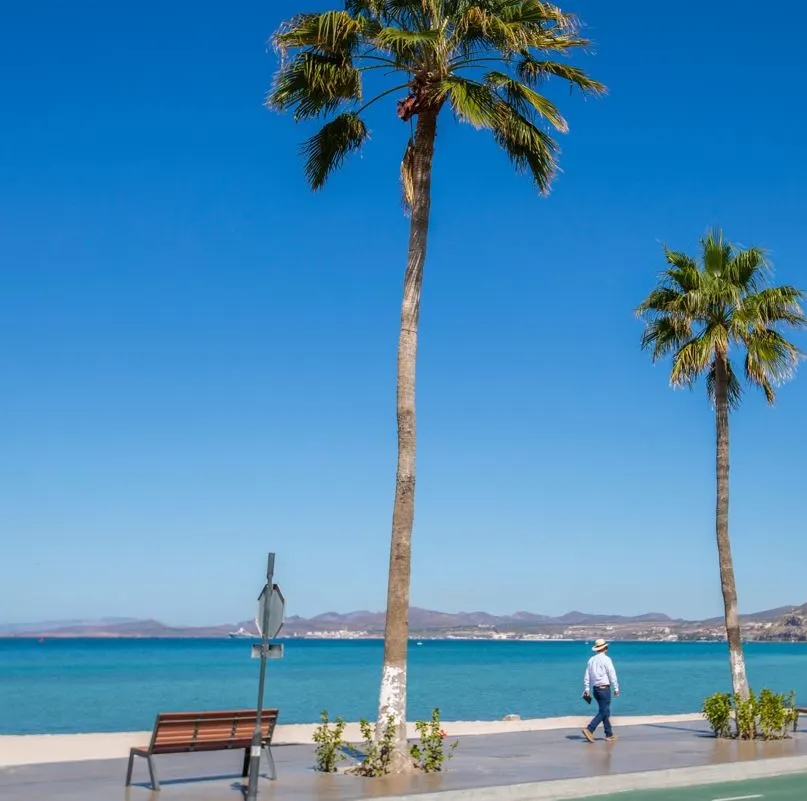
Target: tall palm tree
(483,60)
(698,313)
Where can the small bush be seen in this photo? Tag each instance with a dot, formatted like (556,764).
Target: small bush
(429,755)
(776,714)
(717,710)
(329,743)
(745,716)
(791,712)
(377,752)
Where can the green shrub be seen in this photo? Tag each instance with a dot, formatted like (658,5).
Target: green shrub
(772,717)
(745,716)
(717,710)
(777,714)
(329,743)
(791,712)
(429,755)
(377,752)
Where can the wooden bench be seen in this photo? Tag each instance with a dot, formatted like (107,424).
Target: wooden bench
(184,732)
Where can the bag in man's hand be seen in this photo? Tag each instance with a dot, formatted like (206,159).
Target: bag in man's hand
(587,698)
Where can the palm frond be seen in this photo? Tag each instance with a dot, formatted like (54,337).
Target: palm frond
(664,335)
(325,151)
(530,149)
(533,72)
(314,83)
(683,273)
(770,360)
(691,360)
(716,254)
(513,27)
(747,269)
(772,305)
(335,32)
(407,44)
(371,9)
(663,300)
(408,14)
(525,100)
(536,13)
(471,101)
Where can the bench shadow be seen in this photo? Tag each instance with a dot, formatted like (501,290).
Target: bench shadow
(353,753)
(146,785)
(693,732)
(239,787)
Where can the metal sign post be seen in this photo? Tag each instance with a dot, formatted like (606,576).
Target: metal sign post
(257,736)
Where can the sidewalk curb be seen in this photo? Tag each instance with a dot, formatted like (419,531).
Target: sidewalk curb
(622,783)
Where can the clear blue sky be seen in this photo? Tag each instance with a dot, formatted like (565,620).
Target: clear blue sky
(198,354)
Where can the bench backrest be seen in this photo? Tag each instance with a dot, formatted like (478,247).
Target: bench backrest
(201,731)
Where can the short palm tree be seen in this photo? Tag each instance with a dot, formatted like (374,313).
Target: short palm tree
(699,313)
(482,59)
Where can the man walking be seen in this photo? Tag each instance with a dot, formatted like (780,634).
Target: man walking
(601,679)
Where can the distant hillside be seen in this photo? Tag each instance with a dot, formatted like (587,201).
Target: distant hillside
(788,622)
(789,627)
(427,620)
(757,617)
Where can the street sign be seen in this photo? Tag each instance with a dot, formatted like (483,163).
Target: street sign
(274,650)
(269,621)
(274,618)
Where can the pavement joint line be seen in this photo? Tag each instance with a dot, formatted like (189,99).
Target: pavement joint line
(591,787)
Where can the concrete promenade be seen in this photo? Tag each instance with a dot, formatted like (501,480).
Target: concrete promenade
(522,766)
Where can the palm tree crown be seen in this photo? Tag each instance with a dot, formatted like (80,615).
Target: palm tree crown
(698,312)
(482,57)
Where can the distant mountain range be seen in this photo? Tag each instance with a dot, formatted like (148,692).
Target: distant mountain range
(429,620)
(423,621)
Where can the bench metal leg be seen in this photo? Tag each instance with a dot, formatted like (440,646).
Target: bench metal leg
(245,770)
(155,784)
(129,769)
(270,762)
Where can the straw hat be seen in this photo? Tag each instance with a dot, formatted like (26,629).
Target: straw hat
(600,645)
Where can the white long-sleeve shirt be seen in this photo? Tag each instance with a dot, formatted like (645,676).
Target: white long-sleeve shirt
(600,670)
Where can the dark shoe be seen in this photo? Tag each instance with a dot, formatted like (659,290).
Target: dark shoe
(588,735)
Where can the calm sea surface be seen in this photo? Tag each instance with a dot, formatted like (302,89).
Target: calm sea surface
(119,685)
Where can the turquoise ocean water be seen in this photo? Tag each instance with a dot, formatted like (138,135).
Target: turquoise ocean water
(119,685)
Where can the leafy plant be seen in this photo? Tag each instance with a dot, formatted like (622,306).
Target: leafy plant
(377,751)
(745,716)
(717,710)
(792,711)
(429,755)
(329,743)
(777,714)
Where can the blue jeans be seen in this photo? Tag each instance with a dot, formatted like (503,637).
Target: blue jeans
(602,695)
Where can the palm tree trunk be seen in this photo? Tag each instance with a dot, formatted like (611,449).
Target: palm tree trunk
(738,678)
(392,699)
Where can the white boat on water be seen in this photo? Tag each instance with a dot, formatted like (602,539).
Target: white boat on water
(241,634)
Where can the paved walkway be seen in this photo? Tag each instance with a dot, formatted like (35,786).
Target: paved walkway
(485,767)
